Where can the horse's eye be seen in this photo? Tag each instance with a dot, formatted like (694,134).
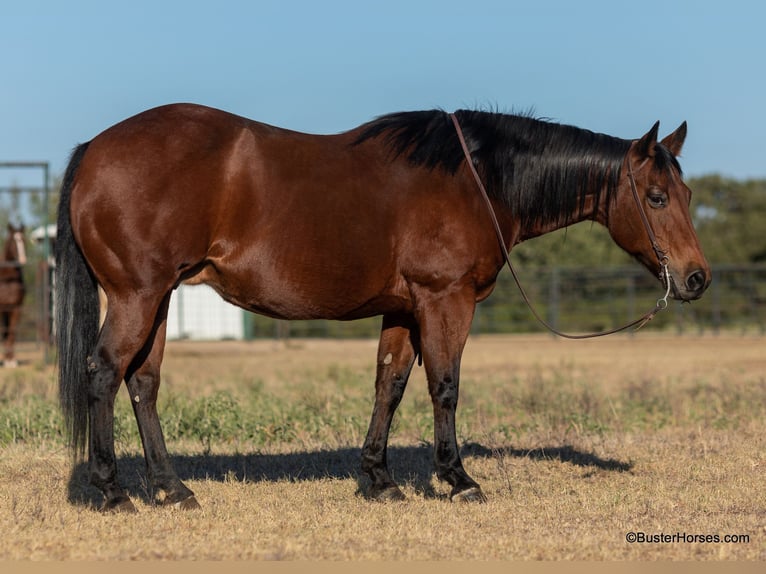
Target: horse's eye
(657,198)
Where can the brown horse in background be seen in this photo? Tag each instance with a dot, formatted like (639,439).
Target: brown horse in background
(385,219)
(12,289)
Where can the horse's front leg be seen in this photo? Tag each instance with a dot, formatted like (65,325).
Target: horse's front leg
(444,325)
(396,354)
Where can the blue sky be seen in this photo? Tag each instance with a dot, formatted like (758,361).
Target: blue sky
(72,68)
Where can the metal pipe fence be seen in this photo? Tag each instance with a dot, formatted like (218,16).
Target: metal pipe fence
(574,300)
(581,300)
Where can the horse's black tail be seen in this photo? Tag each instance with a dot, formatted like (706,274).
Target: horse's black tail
(77,314)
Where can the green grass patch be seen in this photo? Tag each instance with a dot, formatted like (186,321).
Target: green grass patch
(331,409)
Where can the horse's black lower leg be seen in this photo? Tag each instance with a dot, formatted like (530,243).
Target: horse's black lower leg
(444,329)
(444,395)
(103,384)
(143,388)
(143,385)
(396,354)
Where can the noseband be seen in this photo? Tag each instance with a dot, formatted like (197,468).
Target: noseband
(662,257)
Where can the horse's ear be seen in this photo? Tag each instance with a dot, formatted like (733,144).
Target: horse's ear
(675,141)
(645,146)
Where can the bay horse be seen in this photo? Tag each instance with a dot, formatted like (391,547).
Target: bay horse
(384,219)
(12,290)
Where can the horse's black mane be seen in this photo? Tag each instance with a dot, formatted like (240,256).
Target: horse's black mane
(540,169)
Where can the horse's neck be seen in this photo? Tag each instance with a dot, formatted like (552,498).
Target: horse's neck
(589,212)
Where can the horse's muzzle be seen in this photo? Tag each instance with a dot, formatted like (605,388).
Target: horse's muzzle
(693,286)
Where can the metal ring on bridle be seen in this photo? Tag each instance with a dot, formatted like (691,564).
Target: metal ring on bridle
(662,303)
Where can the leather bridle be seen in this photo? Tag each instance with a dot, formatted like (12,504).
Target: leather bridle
(662,256)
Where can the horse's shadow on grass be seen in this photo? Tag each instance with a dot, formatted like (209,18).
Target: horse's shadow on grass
(408,464)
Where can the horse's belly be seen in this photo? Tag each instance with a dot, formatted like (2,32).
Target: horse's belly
(309,292)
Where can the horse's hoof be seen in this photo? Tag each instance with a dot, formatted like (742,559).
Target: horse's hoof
(473,494)
(189,503)
(119,505)
(391,493)
(10,363)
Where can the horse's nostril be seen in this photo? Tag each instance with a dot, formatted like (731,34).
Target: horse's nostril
(696,281)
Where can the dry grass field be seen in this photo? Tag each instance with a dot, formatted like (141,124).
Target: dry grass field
(576,444)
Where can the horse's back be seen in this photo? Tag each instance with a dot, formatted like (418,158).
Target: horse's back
(269,217)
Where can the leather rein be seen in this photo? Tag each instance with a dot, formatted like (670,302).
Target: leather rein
(662,257)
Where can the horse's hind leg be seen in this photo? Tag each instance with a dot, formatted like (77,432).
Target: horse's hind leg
(128,325)
(396,354)
(143,381)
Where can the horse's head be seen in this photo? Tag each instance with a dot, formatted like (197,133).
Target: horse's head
(15,249)
(664,199)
